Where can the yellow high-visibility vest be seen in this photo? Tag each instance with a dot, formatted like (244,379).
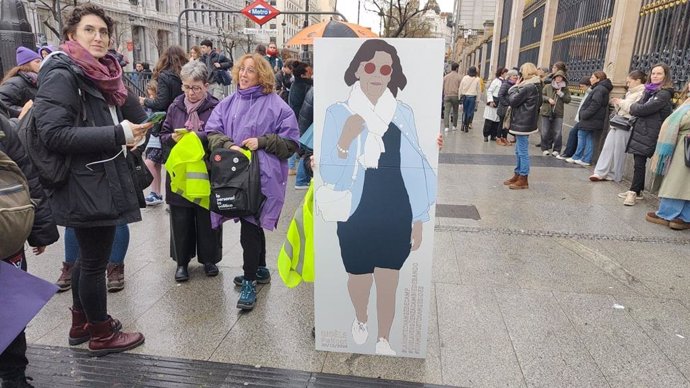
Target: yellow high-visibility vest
(296,257)
(188,172)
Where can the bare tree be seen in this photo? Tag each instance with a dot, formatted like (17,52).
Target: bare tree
(160,44)
(398,15)
(54,22)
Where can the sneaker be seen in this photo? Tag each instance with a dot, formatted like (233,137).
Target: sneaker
(64,282)
(546,153)
(596,178)
(247,295)
(570,160)
(630,199)
(384,348)
(116,277)
(654,219)
(581,163)
(301,187)
(446,129)
(625,195)
(555,153)
(153,199)
(360,333)
(561,157)
(263,276)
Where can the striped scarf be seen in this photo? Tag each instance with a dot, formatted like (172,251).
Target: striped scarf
(668,138)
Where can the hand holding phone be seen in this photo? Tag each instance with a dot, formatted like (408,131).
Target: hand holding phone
(155,118)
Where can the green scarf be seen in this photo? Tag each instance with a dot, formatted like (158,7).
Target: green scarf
(668,138)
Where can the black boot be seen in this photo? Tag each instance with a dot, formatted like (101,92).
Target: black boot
(181,275)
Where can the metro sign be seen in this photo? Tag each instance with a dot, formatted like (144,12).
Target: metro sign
(260,12)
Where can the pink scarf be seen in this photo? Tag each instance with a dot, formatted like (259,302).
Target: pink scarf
(105,73)
(193,122)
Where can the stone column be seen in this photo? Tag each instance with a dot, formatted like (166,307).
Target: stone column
(550,11)
(495,43)
(513,50)
(619,50)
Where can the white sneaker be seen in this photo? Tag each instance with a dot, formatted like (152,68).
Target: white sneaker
(545,153)
(560,157)
(360,332)
(630,199)
(625,195)
(555,153)
(581,163)
(446,130)
(384,348)
(570,160)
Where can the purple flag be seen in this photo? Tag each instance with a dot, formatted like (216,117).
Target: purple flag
(23,296)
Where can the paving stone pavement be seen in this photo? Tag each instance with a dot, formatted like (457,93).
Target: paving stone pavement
(556,286)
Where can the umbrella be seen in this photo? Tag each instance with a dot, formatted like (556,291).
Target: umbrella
(332,29)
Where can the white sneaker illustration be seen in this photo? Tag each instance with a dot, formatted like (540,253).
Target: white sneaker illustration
(359,332)
(384,348)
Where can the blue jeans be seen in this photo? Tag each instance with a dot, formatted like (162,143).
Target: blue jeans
(303,178)
(671,208)
(117,254)
(468,106)
(571,145)
(585,146)
(522,155)
(291,161)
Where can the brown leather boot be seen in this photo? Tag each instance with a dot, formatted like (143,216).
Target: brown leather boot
(116,277)
(511,180)
(520,184)
(78,334)
(64,282)
(104,340)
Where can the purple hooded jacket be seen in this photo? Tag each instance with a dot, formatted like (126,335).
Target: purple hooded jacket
(251,113)
(176,118)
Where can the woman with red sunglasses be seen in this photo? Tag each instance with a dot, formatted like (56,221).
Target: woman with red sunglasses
(370,148)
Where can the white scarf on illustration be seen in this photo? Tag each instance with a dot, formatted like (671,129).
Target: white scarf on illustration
(377,119)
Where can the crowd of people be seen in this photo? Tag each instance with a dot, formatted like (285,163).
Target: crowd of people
(95,128)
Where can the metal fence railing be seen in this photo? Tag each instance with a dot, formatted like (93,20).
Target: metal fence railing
(532,26)
(581,35)
(663,36)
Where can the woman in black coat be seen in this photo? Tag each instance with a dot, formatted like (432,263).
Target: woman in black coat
(78,114)
(167,75)
(593,112)
(525,101)
(13,360)
(650,112)
(19,84)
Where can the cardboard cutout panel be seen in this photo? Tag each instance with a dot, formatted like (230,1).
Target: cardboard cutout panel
(376,120)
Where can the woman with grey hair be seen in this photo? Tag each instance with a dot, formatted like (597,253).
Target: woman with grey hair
(191,233)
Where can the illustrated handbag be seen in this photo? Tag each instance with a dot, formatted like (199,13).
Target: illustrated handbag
(507,118)
(335,205)
(686,148)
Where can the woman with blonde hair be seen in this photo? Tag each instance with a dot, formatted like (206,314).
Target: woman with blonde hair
(256,118)
(525,101)
(194,53)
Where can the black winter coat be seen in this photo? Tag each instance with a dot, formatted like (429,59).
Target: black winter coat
(306,114)
(214,76)
(169,87)
(102,193)
(650,111)
(525,101)
(595,107)
(298,91)
(503,101)
(44,232)
(283,83)
(16,91)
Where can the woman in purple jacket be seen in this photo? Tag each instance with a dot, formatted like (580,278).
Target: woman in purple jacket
(191,232)
(258,119)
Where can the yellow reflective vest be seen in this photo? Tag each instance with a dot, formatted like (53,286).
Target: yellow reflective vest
(188,172)
(296,257)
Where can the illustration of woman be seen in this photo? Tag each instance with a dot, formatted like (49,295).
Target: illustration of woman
(371,149)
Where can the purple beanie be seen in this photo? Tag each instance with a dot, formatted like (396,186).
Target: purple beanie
(25,55)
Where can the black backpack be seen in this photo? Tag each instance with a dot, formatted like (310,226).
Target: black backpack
(52,167)
(235,184)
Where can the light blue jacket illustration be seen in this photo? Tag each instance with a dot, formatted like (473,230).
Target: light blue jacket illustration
(419,178)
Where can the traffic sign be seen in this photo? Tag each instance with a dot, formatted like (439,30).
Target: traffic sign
(260,12)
